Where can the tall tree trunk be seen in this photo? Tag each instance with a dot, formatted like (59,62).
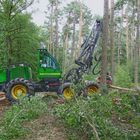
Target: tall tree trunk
(65,51)
(131,46)
(112,37)
(104,43)
(51,30)
(56,30)
(127,40)
(10,49)
(80,28)
(119,46)
(120,36)
(136,60)
(138,27)
(73,36)
(132,35)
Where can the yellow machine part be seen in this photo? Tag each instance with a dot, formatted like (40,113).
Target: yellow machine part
(67,93)
(18,91)
(92,89)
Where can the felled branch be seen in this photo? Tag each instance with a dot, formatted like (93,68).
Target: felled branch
(125,89)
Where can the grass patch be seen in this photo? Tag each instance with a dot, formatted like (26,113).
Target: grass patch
(13,118)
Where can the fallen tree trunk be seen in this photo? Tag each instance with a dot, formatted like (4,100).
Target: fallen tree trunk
(125,89)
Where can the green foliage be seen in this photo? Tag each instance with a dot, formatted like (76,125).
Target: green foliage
(122,77)
(72,11)
(11,126)
(24,41)
(131,69)
(19,37)
(114,117)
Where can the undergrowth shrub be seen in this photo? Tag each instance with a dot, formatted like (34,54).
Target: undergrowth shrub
(13,118)
(131,69)
(122,76)
(115,117)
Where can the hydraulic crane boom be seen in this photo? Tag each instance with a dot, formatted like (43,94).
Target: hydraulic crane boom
(84,61)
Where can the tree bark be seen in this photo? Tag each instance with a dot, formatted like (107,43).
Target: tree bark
(65,51)
(127,40)
(51,31)
(112,37)
(119,45)
(120,37)
(56,30)
(80,28)
(10,49)
(136,60)
(104,43)
(73,36)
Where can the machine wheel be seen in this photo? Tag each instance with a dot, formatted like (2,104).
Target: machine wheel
(67,92)
(91,89)
(17,88)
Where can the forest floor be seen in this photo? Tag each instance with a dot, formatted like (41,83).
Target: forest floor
(4,103)
(46,127)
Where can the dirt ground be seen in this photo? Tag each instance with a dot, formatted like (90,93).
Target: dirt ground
(45,128)
(4,103)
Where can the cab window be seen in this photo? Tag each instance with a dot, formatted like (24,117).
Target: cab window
(47,62)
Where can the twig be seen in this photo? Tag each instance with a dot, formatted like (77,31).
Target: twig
(15,117)
(92,125)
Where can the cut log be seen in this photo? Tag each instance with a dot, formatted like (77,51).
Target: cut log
(2,96)
(125,89)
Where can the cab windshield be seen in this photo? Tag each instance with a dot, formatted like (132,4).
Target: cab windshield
(47,61)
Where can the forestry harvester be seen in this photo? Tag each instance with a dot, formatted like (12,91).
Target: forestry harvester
(16,80)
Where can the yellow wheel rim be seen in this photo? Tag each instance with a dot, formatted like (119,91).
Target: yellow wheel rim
(67,93)
(18,91)
(92,89)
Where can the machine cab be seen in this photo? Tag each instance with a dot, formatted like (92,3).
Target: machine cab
(48,66)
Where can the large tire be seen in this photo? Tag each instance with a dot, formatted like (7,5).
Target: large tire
(66,91)
(17,88)
(91,88)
